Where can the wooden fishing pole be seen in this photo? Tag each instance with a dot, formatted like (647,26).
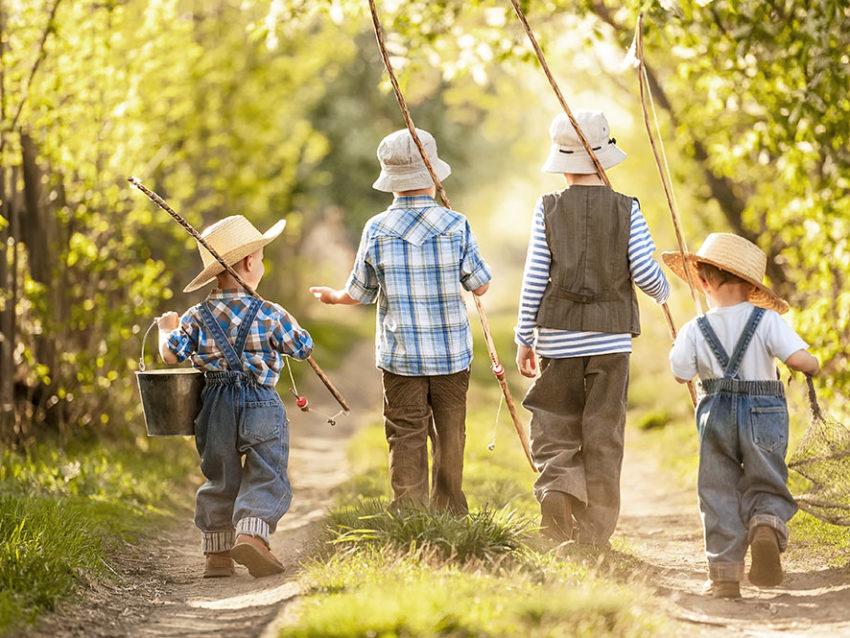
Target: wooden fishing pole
(159,201)
(663,170)
(599,170)
(497,368)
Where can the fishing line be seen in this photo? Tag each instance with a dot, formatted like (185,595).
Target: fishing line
(303,402)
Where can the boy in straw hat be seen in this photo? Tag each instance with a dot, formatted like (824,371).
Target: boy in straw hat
(578,312)
(241,431)
(742,416)
(414,260)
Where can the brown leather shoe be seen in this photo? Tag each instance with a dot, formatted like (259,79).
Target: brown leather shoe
(766,568)
(218,565)
(722,589)
(255,555)
(556,517)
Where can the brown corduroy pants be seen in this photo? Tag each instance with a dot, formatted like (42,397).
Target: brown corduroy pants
(416,409)
(578,416)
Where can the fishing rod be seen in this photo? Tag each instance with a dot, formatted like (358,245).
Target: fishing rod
(159,201)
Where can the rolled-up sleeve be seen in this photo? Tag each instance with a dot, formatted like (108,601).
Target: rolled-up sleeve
(362,284)
(292,340)
(474,271)
(183,341)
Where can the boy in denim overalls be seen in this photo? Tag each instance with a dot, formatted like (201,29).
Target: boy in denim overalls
(238,341)
(742,416)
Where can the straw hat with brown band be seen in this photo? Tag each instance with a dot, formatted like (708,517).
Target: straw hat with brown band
(735,255)
(234,238)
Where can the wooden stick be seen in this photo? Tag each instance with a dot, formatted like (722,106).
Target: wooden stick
(668,188)
(159,201)
(599,170)
(498,370)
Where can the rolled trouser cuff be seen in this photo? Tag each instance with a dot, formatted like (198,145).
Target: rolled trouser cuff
(726,571)
(217,542)
(775,523)
(255,527)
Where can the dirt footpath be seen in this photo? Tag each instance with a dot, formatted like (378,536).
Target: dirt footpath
(663,523)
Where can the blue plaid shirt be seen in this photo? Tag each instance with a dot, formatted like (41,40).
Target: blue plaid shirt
(271,336)
(414,260)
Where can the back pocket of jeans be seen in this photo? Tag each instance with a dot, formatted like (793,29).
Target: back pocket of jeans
(262,420)
(770,427)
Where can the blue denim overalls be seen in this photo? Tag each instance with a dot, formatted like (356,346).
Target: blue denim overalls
(743,430)
(239,418)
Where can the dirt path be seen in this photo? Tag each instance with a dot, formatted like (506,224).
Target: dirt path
(662,521)
(160,592)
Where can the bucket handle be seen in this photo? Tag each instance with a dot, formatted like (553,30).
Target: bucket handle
(144,339)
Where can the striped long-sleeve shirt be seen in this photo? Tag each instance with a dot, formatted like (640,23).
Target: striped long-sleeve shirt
(559,344)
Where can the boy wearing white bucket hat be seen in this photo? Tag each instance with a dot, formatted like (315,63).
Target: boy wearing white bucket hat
(241,432)
(415,259)
(578,312)
(742,416)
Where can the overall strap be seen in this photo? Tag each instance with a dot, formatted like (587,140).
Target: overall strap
(245,328)
(231,354)
(713,341)
(744,342)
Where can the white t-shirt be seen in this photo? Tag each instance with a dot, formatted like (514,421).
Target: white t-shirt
(692,356)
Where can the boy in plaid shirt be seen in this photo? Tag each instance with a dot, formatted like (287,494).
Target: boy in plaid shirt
(239,342)
(414,260)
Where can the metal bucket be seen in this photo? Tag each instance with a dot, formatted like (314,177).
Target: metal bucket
(171,398)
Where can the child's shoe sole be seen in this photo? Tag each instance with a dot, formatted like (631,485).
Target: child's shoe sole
(253,554)
(766,568)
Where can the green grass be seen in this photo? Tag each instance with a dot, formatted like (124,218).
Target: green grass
(62,514)
(484,534)
(381,593)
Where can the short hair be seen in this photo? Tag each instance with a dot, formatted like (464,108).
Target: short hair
(718,276)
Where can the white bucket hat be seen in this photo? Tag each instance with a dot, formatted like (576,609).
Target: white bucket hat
(233,238)
(736,255)
(402,167)
(568,154)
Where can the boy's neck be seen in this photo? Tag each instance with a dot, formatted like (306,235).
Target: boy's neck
(590,179)
(431,191)
(226,283)
(729,294)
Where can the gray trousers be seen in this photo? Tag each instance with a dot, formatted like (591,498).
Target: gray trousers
(416,409)
(578,416)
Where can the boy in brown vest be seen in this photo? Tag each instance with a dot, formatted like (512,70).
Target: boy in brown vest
(578,312)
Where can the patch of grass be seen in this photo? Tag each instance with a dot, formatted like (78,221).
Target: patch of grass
(63,512)
(484,534)
(380,594)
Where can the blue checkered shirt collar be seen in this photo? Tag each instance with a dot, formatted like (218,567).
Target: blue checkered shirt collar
(415,219)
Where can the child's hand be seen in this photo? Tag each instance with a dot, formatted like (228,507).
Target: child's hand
(169,321)
(331,296)
(526,361)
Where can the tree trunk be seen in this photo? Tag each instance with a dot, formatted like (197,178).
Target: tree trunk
(39,235)
(7,322)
